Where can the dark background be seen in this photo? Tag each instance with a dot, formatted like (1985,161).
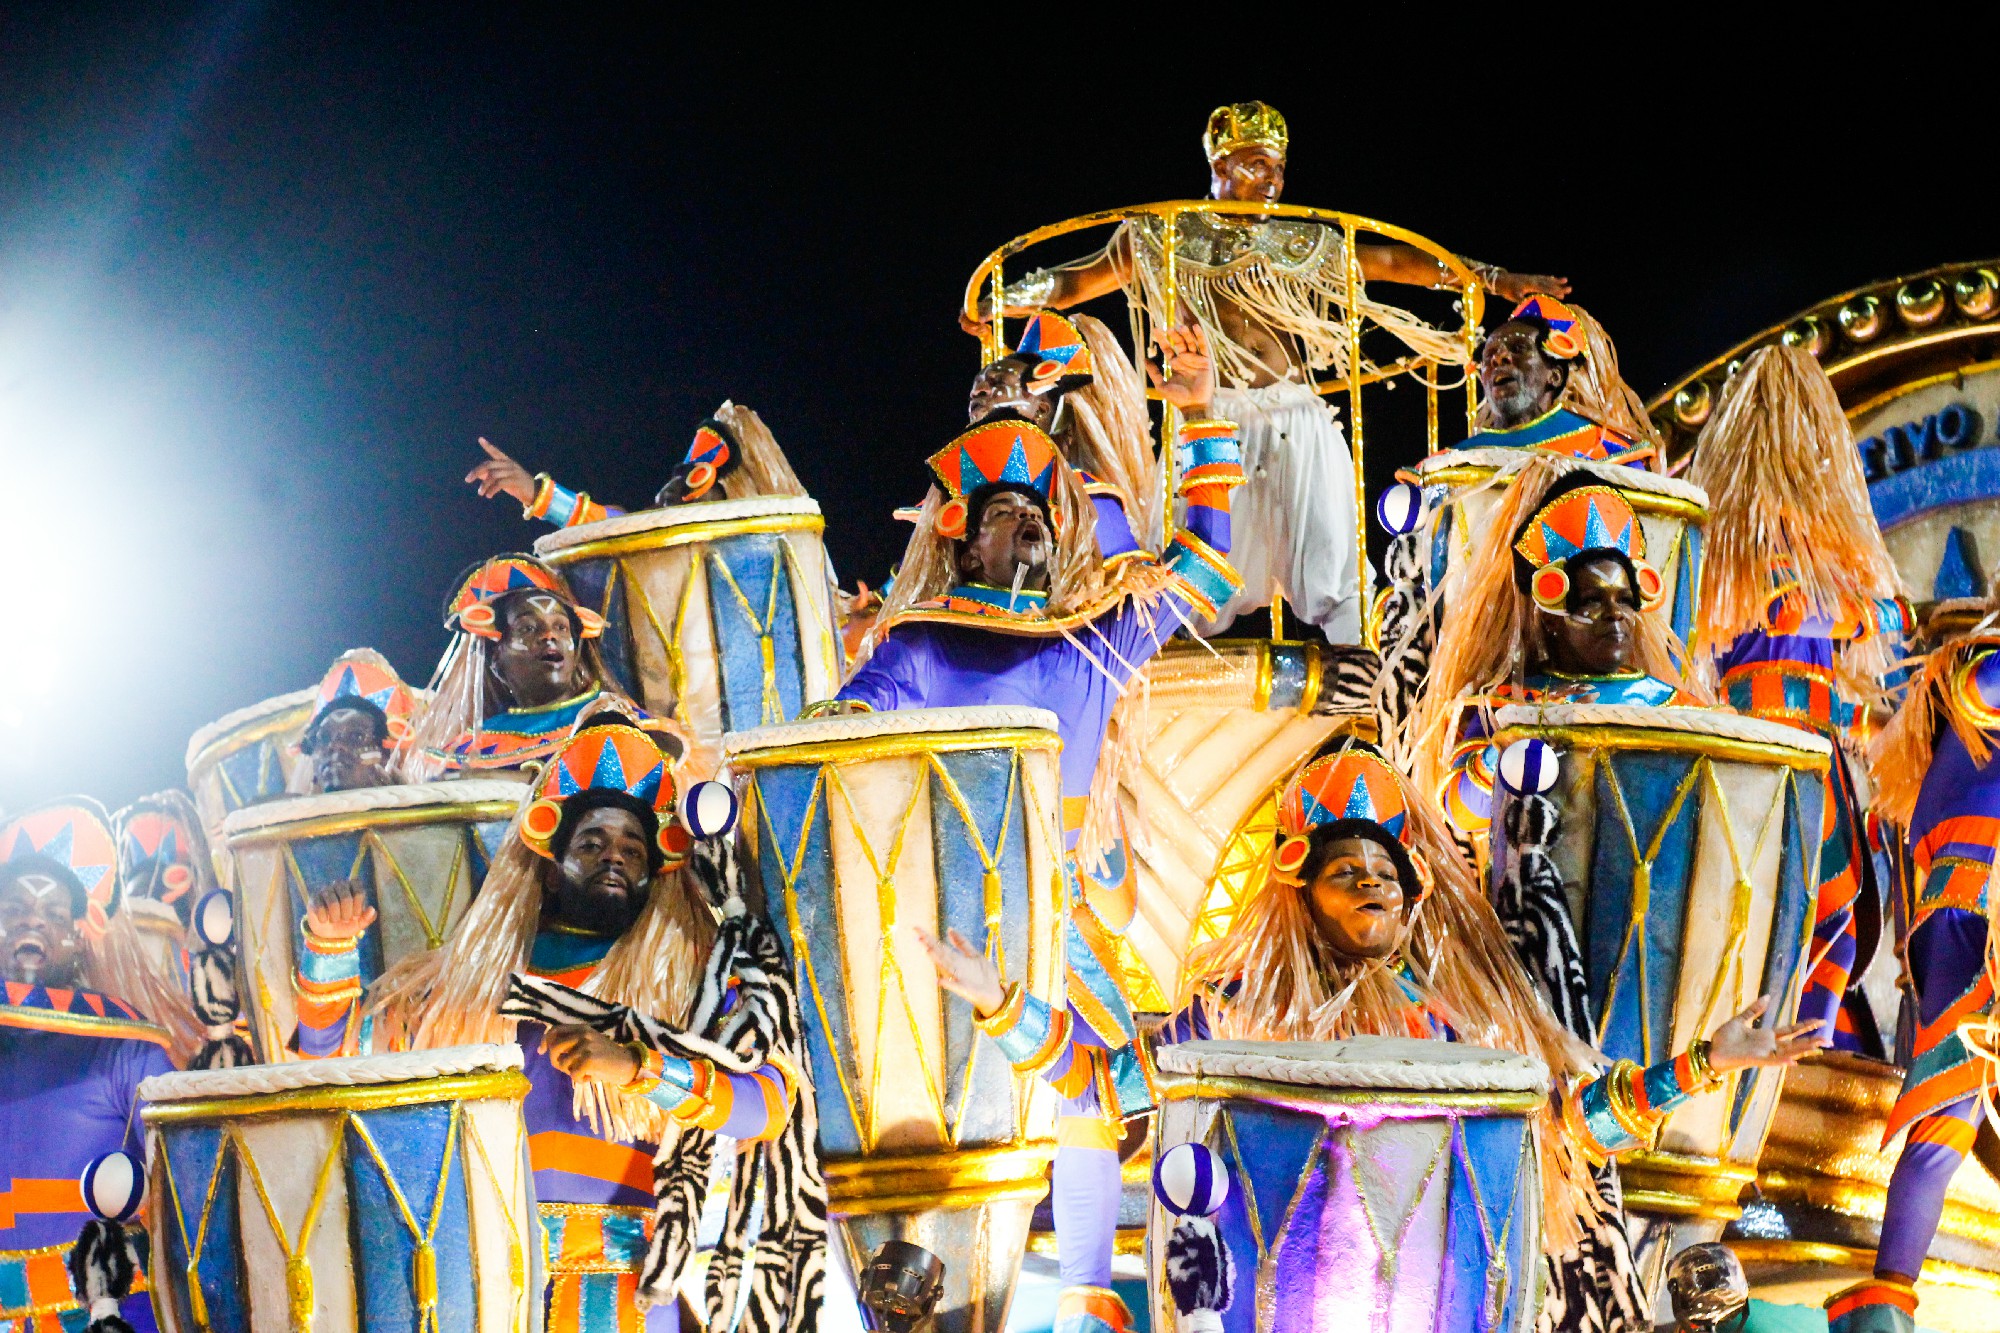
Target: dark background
(266,271)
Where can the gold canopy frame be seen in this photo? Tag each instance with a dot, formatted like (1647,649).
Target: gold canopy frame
(987,280)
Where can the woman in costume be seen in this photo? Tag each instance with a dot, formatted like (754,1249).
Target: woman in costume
(1369,922)
(733,456)
(1801,614)
(521,671)
(361,724)
(655,1013)
(1557,605)
(1940,786)
(1005,597)
(85,1023)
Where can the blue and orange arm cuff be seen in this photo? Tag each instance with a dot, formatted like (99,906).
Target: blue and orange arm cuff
(1028,1032)
(746,1107)
(1624,1109)
(563,507)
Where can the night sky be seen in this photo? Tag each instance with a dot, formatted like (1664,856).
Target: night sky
(267,271)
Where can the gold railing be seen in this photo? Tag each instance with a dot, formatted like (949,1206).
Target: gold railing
(987,282)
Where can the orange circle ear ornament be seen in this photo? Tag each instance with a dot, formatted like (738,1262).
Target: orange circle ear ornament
(593,624)
(478,619)
(700,478)
(950,520)
(1550,587)
(675,842)
(1563,343)
(1652,588)
(95,922)
(1289,858)
(538,824)
(399,730)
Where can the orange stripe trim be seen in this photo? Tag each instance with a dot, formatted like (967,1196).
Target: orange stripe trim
(1945,1131)
(554,1150)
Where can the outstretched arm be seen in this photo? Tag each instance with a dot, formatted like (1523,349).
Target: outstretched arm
(540,496)
(746,1107)
(1056,288)
(1397,262)
(1623,1110)
(327,985)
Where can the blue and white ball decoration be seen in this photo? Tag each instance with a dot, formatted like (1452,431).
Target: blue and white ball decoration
(113,1186)
(1189,1180)
(1530,767)
(708,810)
(215,919)
(1398,508)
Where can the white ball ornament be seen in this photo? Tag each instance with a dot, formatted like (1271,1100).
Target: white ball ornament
(708,810)
(1189,1179)
(1398,508)
(113,1185)
(1530,767)
(215,919)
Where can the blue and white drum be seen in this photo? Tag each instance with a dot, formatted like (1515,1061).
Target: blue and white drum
(1374,1183)
(419,852)
(389,1194)
(718,614)
(1462,486)
(246,757)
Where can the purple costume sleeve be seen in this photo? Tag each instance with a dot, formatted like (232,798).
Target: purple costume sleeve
(894,676)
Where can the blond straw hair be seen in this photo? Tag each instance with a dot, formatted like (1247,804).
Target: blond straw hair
(1109,434)
(1597,392)
(764,469)
(1784,483)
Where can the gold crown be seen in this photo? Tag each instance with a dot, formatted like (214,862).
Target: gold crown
(1241,124)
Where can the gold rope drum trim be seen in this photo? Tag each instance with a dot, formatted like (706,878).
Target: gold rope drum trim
(1615,737)
(1790,1252)
(690,534)
(320,826)
(906,745)
(225,745)
(509,1084)
(918,1182)
(1643,502)
(1217,1087)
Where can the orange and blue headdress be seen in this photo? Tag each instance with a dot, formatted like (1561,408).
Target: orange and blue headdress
(71,838)
(1006,453)
(162,853)
(1564,339)
(470,609)
(713,455)
(615,765)
(364,676)
(1056,353)
(1583,518)
(1353,792)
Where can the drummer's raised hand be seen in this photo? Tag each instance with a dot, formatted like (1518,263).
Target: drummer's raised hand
(340,911)
(1190,381)
(501,475)
(1741,1042)
(963,970)
(585,1053)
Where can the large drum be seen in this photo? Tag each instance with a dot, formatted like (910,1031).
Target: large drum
(419,852)
(388,1194)
(1374,1183)
(246,757)
(1688,844)
(942,818)
(718,614)
(1461,488)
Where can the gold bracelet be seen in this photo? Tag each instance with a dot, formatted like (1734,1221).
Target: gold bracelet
(1705,1073)
(1004,1019)
(647,1076)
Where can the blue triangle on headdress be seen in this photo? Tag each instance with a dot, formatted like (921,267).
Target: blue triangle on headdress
(518,577)
(1596,532)
(347,684)
(1559,547)
(1017,465)
(1360,802)
(566,783)
(648,787)
(61,847)
(610,772)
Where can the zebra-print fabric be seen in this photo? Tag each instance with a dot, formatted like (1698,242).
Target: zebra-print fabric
(1534,910)
(1597,1289)
(1347,677)
(212,988)
(1407,633)
(786,1261)
(101,1268)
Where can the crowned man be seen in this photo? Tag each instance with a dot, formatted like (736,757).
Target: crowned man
(1367,921)
(1272,297)
(522,670)
(74,1047)
(733,457)
(1004,597)
(655,1014)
